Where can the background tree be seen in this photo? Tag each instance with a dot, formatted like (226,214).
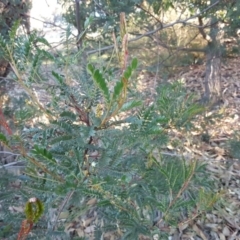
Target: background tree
(10,12)
(214,21)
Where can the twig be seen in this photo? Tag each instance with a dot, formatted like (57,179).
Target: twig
(6,79)
(14,154)
(12,164)
(47,3)
(151,14)
(180,192)
(65,201)
(46,22)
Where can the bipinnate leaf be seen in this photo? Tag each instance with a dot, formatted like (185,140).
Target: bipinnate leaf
(61,139)
(47,55)
(43,152)
(68,115)
(43,41)
(129,105)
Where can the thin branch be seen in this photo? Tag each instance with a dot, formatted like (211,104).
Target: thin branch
(47,3)
(182,48)
(78,19)
(5,152)
(148,12)
(101,9)
(65,201)
(46,22)
(6,79)
(157,29)
(200,20)
(13,164)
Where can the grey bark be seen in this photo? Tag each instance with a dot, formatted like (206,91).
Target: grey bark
(78,23)
(213,65)
(11,11)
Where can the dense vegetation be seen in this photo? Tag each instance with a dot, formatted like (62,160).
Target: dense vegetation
(93,145)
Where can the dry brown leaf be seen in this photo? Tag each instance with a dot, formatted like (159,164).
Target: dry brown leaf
(64,215)
(232,223)
(182,227)
(92,201)
(219,151)
(80,232)
(233,236)
(226,231)
(221,236)
(15,209)
(89,229)
(199,232)
(219,158)
(88,221)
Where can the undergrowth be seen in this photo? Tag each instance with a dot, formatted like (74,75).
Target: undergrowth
(96,150)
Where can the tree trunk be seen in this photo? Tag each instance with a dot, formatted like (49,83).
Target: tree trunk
(213,77)
(78,23)
(10,12)
(213,65)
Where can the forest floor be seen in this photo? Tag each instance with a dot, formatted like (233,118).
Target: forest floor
(220,124)
(224,122)
(221,223)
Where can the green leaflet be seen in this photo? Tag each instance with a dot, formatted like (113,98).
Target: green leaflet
(43,152)
(68,115)
(43,41)
(134,64)
(13,31)
(99,80)
(46,55)
(117,90)
(128,73)
(131,104)
(101,83)
(61,138)
(3,138)
(90,68)
(88,21)
(3,46)
(35,66)
(58,77)
(65,126)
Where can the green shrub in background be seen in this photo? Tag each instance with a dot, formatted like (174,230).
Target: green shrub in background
(234,146)
(98,152)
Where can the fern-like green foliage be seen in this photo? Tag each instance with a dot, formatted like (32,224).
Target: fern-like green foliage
(234,146)
(176,105)
(99,143)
